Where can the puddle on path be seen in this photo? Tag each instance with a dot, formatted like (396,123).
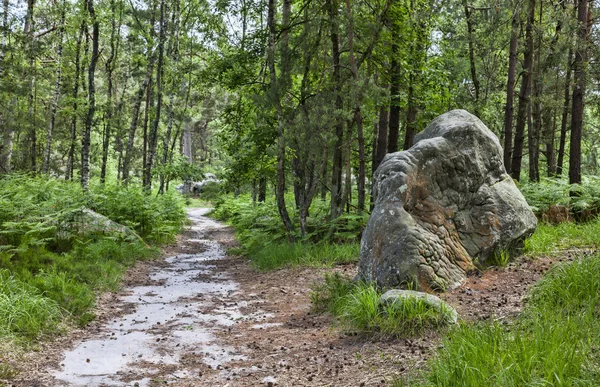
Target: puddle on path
(169,321)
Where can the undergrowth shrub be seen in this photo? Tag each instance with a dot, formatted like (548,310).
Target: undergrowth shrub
(357,308)
(263,238)
(582,199)
(59,259)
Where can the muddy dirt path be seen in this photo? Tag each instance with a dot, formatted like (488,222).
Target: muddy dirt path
(199,317)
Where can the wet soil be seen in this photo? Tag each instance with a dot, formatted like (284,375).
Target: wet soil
(200,317)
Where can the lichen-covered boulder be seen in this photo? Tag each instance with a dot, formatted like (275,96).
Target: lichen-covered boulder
(442,206)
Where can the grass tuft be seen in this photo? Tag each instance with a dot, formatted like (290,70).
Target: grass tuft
(356,306)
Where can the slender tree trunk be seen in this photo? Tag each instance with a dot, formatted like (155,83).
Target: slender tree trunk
(577,112)
(30,36)
(109,66)
(411,115)
(524,96)
(357,112)
(171,118)
(54,105)
(470,37)
(394,116)
(75,96)
(536,109)
(565,116)
(336,178)
(278,87)
(8,130)
(89,121)
(382,137)
(510,92)
(159,97)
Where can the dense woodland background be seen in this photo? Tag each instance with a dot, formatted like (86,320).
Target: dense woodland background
(304,96)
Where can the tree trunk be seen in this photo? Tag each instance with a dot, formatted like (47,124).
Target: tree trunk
(577,112)
(524,96)
(109,66)
(394,116)
(336,178)
(470,31)
(30,36)
(411,115)
(510,91)
(75,95)
(8,130)
(159,96)
(536,108)
(54,105)
(565,116)
(278,87)
(357,112)
(171,118)
(89,121)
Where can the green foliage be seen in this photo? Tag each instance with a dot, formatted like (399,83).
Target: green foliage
(551,238)
(357,307)
(549,192)
(553,343)
(56,261)
(179,169)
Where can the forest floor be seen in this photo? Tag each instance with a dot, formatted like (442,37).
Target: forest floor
(199,317)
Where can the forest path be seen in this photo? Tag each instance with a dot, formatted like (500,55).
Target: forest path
(172,314)
(199,317)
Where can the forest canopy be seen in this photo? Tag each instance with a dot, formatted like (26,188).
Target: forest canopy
(302,96)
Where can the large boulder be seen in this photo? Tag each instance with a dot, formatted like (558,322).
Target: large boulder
(442,206)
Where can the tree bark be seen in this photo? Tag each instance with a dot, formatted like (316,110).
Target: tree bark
(278,87)
(109,66)
(394,116)
(159,97)
(30,36)
(470,32)
(54,105)
(336,178)
(564,124)
(75,96)
(171,118)
(577,111)
(524,96)
(8,130)
(536,111)
(510,91)
(89,121)
(357,112)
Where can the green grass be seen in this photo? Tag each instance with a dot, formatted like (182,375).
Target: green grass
(277,255)
(549,239)
(357,308)
(554,342)
(24,310)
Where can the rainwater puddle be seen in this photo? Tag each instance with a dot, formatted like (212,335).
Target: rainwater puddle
(178,316)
